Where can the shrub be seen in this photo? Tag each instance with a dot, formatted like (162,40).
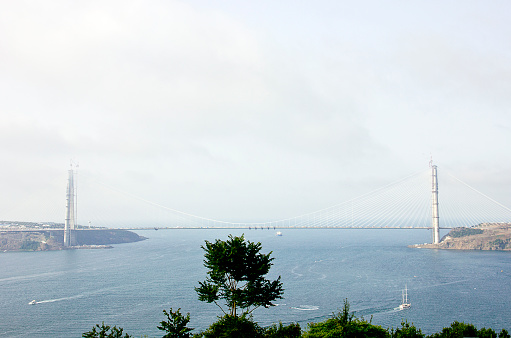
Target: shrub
(105,331)
(456,330)
(234,327)
(486,333)
(504,334)
(292,330)
(29,245)
(407,331)
(345,325)
(462,232)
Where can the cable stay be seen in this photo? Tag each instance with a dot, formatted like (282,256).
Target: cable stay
(405,203)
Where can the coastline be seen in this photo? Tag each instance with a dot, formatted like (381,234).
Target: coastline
(51,240)
(484,237)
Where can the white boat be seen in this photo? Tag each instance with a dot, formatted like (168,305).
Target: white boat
(32,302)
(405,304)
(279,233)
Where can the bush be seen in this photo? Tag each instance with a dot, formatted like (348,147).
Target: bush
(345,325)
(486,333)
(327,329)
(103,332)
(292,330)
(234,327)
(407,331)
(462,232)
(363,329)
(357,328)
(456,330)
(504,334)
(28,245)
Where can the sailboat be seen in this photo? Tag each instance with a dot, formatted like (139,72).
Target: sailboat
(405,304)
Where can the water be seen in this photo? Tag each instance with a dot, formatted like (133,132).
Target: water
(130,285)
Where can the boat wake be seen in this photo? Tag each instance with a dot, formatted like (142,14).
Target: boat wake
(397,309)
(55,300)
(293,271)
(306,307)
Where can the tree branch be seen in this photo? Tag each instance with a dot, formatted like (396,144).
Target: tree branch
(220,307)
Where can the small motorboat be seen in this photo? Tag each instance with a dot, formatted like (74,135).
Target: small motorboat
(32,302)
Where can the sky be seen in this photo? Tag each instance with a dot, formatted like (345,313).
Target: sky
(249,110)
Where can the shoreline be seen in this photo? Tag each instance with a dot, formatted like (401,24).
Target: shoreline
(482,237)
(48,240)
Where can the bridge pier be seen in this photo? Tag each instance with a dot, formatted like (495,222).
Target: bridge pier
(70,226)
(435,219)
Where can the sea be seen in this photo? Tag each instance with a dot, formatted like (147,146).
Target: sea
(130,285)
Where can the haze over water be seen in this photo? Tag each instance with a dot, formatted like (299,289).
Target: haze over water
(130,285)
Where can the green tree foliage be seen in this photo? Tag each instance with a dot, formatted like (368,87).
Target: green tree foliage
(234,327)
(460,330)
(175,325)
(344,317)
(363,329)
(501,244)
(504,334)
(357,328)
(345,325)
(486,333)
(292,330)
(462,232)
(28,245)
(456,330)
(329,328)
(407,331)
(244,327)
(236,274)
(105,331)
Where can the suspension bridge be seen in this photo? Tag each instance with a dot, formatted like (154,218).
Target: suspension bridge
(419,201)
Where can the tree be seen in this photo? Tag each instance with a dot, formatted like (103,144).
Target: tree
(345,325)
(407,331)
(234,327)
(292,330)
(103,332)
(176,324)
(456,330)
(344,317)
(236,274)
(504,334)
(486,333)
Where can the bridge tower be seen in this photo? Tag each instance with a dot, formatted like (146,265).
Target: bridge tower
(70,226)
(435,219)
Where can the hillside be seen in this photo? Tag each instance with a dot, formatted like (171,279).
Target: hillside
(485,236)
(45,240)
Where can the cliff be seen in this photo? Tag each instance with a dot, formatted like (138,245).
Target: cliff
(486,236)
(45,240)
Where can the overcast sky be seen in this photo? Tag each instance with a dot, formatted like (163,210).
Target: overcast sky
(250,110)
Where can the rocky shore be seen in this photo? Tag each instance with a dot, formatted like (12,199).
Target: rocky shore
(485,236)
